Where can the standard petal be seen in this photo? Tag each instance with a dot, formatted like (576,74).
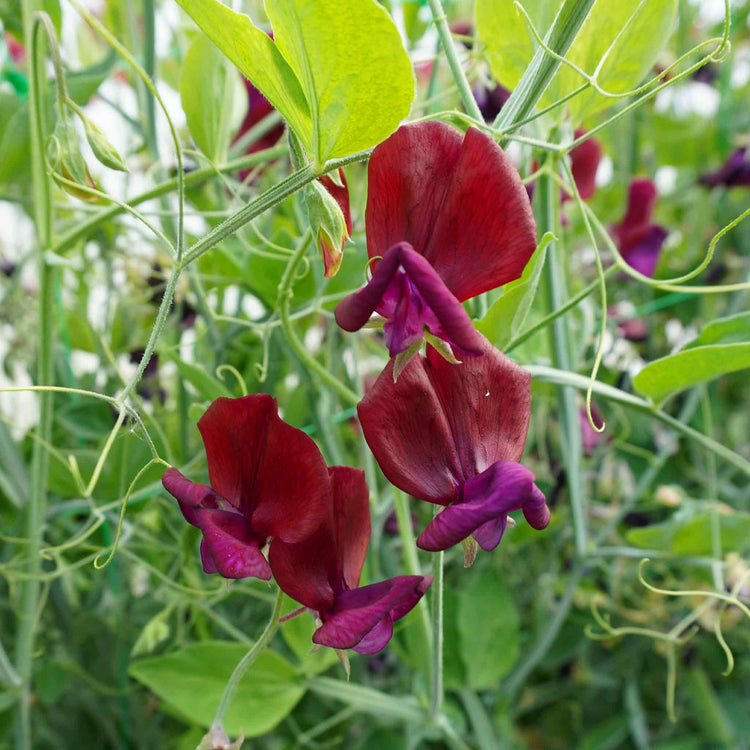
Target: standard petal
(356,613)
(459,202)
(409,434)
(351,514)
(486,401)
(504,487)
(637,220)
(231,545)
(485,233)
(271,471)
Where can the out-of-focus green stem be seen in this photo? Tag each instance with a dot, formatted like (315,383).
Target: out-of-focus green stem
(436,611)
(34,25)
(542,67)
(547,208)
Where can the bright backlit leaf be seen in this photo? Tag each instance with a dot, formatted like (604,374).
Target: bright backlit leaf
(734,329)
(630,33)
(336,70)
(675,373)
(190,681)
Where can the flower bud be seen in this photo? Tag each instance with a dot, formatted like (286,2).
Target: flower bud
(67,161)
(103,150)
(330,219)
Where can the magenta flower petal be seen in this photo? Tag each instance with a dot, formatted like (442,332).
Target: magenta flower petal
(231,545)
(360,611)
(206,559)
(406,288)
(504,487)
(272,472)
(457,201)
(637,220)
(377,639)
(735,172)
(644,255)
(191,495)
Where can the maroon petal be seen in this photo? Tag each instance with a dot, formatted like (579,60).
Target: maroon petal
(644,255)
(487,402)
(271,471)
(459,203)
(358,612)
(231,545)
(504,487)
(351,513)
(409,433)
(377,638)
(584,162)
(207,560)
(418,300)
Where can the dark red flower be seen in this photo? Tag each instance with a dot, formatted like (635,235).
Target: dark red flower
(638,239)
(735,172)
(268,480)
(584,163)
(323,571)
(453,435)
(447,218)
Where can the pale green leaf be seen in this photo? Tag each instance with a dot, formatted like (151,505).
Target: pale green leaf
(488,629)
(630,33)
(675,373)
(210,89)
(508,313)
(337,70)
(190,681)
(731,330)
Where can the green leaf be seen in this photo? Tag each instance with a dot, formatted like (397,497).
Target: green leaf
(208,387)
(190,681)
(488,629)
(732,330)
(607,735)
(506,316)
(210,89)
(675,373)
(643,32)
(336,70)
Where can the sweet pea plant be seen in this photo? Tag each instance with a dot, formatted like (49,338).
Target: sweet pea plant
(475,254)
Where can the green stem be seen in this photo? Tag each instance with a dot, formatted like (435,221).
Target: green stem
(284,300)
(444,32)
(411,560)
(247,661)
(542,67)
(570,439)
(33,23)
(436,610)
(581,383)
(83,229)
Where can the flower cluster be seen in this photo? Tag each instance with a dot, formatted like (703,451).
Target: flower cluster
(448,218)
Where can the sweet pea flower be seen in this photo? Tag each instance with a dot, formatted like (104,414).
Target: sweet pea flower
(454,436)
(584,163)
(447,219)
(268,480)
(322,572)
(735,172)
(638,239)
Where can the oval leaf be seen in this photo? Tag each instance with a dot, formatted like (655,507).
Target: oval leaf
(192,680)
(675,373)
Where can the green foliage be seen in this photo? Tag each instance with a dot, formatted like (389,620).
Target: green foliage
(629,33)
(664,377)
(190,682)
(336,102)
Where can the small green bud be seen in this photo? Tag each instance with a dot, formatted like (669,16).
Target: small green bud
(67,161)
(328,223)
(103,150)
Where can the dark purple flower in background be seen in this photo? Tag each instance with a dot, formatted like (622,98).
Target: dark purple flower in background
(735,172)
(490,100)
(638,239)
(453,435)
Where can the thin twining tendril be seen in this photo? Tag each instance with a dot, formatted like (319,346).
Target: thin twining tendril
(722,42)
(221,369)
